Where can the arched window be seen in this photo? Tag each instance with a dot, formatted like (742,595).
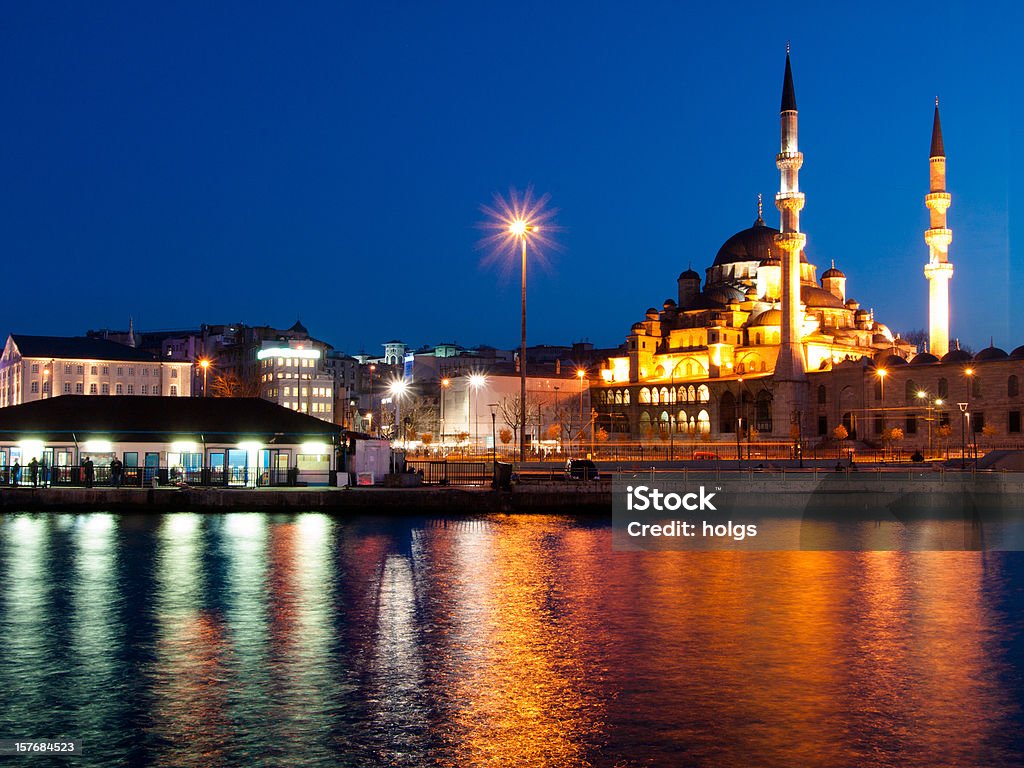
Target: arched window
(625,397)
(645,395)
(1013,386)
(764,366)
(618,397)
(822,395)
(763,411)
(943,388)
(726,413)
(681,422)
(703,395)
(689,369)
(740,368)
(682,394)
(645,424)
(663,427)
(672,394)
(909,392)
(654,396)
(664,394)
(704,423)
(659,372)
(691,393)
(757,338)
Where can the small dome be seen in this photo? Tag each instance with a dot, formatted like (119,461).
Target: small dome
(669,303)
(991,353)
(832,272)
(813,296)
(956,356)
(924,358)
(754,244)
(637,327)
(689,274)
(724,294)
(771,261)
(887,359)
(768,317)
(1017,354)
(299,328)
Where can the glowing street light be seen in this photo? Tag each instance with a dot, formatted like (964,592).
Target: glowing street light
(476,380)
(513,224)
(204,363)
(397,389)
(581,374)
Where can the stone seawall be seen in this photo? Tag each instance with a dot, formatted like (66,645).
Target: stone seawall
(590,498)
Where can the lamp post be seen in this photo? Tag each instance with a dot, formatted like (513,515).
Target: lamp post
(521,229)
(445,383)
(969,373)
(204,363)
(372,369)
(580,374)
(397,389)
(882,373)
(494,445)
(476,381)
(963,433)
(739,422)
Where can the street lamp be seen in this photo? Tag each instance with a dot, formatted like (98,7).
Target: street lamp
(581,374)
(476,380)
(445,383)
(521,229)
(204,363)
(372,369)
(969,373)
(494,444)
(397,390)
(964,416)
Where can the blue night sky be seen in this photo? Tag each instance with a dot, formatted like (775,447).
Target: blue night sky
(249,162)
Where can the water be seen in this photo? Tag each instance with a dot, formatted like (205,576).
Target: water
(255,640)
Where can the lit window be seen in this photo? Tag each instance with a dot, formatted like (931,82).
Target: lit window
(92,389)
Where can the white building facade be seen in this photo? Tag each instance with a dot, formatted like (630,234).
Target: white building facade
(40,367)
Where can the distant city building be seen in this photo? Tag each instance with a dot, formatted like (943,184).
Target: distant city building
(41,367)
(294,376)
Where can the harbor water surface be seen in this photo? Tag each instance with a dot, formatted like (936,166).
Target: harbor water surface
(259,640)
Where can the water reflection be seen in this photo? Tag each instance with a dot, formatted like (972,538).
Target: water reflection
(248,640)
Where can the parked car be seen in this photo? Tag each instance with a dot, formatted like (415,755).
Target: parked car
(581,469)
(705,456)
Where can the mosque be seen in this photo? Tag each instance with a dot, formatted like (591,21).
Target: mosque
(767,346)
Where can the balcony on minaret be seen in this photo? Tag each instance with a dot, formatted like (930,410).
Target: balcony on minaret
(938,239)
(938,201)
(791,241)
(789,161)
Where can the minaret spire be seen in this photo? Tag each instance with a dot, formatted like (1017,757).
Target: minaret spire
(938,271)
(790,380)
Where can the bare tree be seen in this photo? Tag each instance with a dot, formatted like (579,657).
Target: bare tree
(228,384)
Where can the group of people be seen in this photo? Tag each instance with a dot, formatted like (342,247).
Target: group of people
(41,474)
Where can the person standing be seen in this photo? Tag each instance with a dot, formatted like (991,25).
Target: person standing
(16,473)
(33,472)
(89,472)
(116,472)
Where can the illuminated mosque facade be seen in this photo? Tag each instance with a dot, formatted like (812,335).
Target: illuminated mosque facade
(765,345)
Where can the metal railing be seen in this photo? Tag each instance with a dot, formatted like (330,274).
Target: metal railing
(160,476)
(453,472)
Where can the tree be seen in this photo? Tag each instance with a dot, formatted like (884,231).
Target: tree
(944,432)
(426,438)
(461,437)
(506,436)
(228,384)
(917,336)
(840,433)
(601,435)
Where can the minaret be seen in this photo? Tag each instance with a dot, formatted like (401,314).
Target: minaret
(790,365)
(790,381)
(938,270)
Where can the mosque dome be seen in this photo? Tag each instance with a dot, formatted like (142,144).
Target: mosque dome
(813,296)
(832,272)
(768,317)
(724,294)
(886,359)
(754,244)
(991,353)
(1017,354)
(956,356)
(924,358)
(689,274)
